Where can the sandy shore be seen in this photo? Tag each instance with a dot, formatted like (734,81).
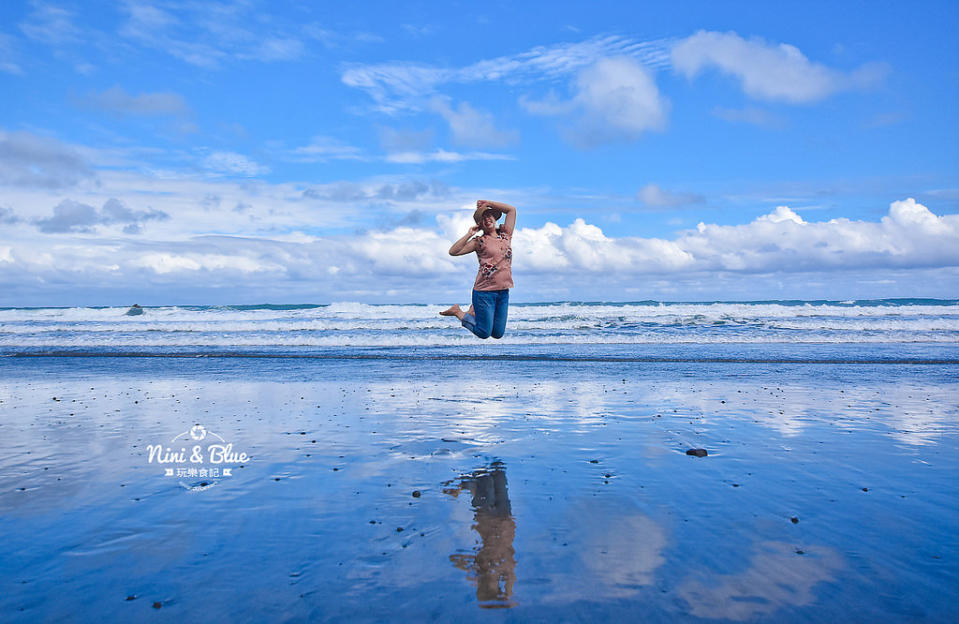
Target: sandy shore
(391,490)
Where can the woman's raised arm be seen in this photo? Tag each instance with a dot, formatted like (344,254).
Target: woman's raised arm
(510,211)
(465,244)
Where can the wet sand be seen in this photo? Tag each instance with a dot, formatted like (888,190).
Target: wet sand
(521,491)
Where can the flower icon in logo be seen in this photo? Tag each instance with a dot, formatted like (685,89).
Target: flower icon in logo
(198,432)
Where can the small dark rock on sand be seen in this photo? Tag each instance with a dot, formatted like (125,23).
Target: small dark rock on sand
(697,452)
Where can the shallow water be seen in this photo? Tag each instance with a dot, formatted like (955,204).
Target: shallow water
(547,491)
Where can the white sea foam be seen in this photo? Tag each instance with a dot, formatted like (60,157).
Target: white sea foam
(359,324)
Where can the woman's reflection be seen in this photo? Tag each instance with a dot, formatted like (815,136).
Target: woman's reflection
(492,565)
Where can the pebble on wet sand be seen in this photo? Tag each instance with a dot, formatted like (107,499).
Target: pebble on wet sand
(697,452)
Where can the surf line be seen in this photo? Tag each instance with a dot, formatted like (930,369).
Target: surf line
(500,358)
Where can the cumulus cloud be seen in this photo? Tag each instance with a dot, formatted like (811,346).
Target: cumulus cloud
(766,70)
(116,100)
(231,163)
(29,160)
(470,126)
(910,236)
(73,216)
(616,99)
(654,196)
(274,246)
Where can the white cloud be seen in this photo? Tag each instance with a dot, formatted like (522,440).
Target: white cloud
(779,215)
(397,86)
(910,236)
(277,237)
(233,163)
(163,263)
(207,34)
(275,49)
(339,38)
(616,99)
(116,100)
(469,126)
(322,149)
(8,62)
(50,24)
(765,70)
(441,155)
(654,196)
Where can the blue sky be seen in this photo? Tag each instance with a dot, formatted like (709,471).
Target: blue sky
(234,152)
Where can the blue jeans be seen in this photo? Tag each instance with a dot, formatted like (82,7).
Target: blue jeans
(489,313)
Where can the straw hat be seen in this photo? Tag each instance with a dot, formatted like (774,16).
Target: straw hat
(478,214)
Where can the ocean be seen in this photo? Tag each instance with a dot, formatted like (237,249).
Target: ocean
(883,329)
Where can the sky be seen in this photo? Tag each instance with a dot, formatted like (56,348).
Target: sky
(173,152)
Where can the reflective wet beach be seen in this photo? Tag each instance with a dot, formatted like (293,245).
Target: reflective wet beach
(415,490)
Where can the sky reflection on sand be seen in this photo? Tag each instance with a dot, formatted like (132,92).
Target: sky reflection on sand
(775,578)
(564,493)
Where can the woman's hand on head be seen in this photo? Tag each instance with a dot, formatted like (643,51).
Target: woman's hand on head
(474,229)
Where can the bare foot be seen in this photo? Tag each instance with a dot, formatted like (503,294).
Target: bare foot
(454,310)
(470,311)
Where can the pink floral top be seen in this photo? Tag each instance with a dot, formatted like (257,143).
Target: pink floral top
(495,262)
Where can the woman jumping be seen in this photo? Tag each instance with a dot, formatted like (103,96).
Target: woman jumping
(487,316)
